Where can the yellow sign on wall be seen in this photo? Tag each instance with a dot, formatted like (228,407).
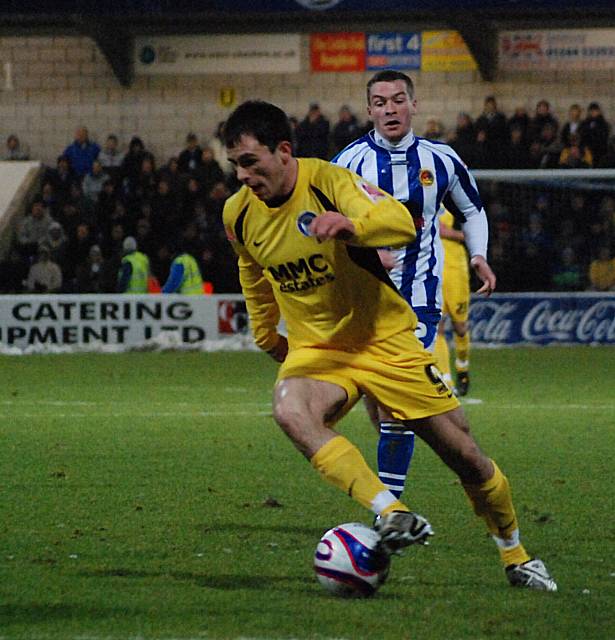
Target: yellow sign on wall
(226,97)
(445,51)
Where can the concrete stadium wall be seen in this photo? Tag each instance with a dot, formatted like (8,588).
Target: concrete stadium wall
(19,182)
(59,83)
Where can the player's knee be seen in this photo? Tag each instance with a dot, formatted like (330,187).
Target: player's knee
(294,415)
(469,462)
(475,467)
(458,418)
(287,415)
(461,328)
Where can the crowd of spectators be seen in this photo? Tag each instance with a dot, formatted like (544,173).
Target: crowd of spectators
(491,140)
(536,141)
(94,197)
(552,237)
(71,238)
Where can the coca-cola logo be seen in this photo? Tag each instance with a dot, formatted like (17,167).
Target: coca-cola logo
(547,321)
(491,322)
(598,323)
(566,319)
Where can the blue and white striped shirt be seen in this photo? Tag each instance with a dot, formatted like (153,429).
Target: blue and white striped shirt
(424,175)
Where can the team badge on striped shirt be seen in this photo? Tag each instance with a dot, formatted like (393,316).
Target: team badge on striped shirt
(426,177)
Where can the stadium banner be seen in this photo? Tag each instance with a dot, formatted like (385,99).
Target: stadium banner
(204,54)
(564,49)
(543,318)
(393,51)
(337,52)
(112,323)
(445,51)
(58,323)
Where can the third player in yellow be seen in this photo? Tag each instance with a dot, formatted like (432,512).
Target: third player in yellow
(456,304)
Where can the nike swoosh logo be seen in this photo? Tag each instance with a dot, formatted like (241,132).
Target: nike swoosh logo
(258,244)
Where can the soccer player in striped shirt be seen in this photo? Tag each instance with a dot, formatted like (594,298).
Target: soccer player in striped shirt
(424,175)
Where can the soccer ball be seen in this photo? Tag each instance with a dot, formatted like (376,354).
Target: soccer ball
(348,563)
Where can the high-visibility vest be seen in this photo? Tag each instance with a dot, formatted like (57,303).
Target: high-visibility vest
(192,283)
(140,272)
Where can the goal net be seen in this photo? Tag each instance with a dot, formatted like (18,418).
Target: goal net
(546,226)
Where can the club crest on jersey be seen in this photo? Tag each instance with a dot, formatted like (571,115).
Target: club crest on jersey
(230,236)
(303,222)
(426,177)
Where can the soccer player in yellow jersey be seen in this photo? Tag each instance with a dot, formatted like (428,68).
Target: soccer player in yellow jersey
(306,234)
(455,304)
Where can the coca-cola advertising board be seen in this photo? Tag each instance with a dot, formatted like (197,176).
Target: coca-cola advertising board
(542,318)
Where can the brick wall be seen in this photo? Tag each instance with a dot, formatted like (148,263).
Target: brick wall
(62,82)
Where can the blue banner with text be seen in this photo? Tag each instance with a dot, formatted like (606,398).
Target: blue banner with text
(393,51)
(542,318)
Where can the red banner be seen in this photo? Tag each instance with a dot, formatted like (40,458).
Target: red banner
(337,51)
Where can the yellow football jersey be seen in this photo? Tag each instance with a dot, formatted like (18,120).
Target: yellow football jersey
(455,255)
(330,293)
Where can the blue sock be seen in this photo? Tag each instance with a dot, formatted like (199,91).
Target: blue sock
(395,449)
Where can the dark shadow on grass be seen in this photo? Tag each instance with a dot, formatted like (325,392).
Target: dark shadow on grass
(230,582)
(223,582)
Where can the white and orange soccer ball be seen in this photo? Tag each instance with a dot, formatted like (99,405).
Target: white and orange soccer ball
(348,562)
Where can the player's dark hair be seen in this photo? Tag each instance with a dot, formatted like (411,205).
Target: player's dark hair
(389,75)
(262,120)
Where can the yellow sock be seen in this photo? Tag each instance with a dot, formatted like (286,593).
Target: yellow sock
(492,501)
(342,464)
(442,356)
(513,555)
(462,352)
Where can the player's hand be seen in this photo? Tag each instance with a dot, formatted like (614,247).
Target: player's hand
(485,274)
(387,258)
(332,224)
(280,351)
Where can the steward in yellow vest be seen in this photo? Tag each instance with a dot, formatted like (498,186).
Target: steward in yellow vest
(135,269)
(184,277)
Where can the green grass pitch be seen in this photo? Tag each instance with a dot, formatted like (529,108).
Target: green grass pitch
(151,496)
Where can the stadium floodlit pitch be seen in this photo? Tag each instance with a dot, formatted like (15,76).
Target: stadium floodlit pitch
(151,496)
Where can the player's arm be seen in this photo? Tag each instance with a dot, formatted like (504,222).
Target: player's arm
(387,258)
(124,277)
(174,281)
(262,308)
(464,202)
(261,305)
(362,214)
(447,233)
(476,234)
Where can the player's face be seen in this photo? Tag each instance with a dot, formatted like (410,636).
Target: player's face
(391,109)
(269,174)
